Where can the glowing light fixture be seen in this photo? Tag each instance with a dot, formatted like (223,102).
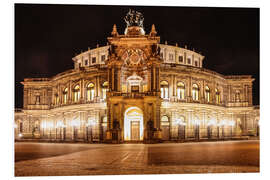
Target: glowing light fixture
(75,123)
(91,123)
(196,122)
(59,124)
(180,122)
(20,135)
(231,123)
(222,123)
(49,124)
(212,122)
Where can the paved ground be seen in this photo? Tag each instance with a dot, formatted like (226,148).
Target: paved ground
(45,159)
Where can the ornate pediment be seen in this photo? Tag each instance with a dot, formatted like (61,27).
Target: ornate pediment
(133,57)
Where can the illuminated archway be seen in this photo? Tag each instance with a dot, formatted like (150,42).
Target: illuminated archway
(133,115)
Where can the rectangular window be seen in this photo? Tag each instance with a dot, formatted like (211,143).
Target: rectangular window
(79,64)
(188,60)
(93,60)
(103,58)
(86,62)
(196,63)
(181,59)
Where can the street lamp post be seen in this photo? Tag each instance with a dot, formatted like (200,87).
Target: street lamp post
(64,132)
(217,131)
(50,125)
(87,138)
(15,131)
(231,124)
(258,128)
(42,129)
(197,129)
(180,124)
(56,132)
(75,123)
(209,131)
(179,131)
(91,133)
(184,136)
(221,124)
(90,125)
(59,125)
(209,128)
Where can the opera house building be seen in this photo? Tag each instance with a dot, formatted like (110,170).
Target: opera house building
(136,89)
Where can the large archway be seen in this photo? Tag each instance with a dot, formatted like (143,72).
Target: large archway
(133,124)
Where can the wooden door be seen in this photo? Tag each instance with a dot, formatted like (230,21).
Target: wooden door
(165,132)
(135,130)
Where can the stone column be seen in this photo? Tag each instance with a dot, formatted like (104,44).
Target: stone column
(98,86)
(174,85)
(83,90)
(154,78)
(70,92)
(118,79)
(171,87)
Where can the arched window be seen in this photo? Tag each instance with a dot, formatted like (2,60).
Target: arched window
(104,89)
(76,93)
(207,94)
(164,119)
(90,91)
(195,92)
(217,96)
(164,90)
(180,90)
(65,94)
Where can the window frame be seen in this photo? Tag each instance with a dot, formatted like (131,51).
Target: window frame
(195,92)
(164,90)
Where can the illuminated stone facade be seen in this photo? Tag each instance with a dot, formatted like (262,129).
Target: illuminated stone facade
(136,89)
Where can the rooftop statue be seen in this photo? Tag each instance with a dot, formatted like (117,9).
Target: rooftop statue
(134,18)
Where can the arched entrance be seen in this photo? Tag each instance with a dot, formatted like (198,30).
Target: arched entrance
(133,124)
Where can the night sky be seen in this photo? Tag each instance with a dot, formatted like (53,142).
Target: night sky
(48,36)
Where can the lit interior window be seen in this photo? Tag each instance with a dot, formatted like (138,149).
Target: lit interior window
(217,96)
(180,90)
(65,93)
(164,89)
(104,89)
(76,93)
(195,92)
(90,91)
(207,94)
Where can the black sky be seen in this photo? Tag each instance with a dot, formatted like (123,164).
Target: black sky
(48,36)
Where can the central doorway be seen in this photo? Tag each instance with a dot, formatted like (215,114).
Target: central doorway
(133,124)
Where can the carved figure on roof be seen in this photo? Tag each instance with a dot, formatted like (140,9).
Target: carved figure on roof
(134,18)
